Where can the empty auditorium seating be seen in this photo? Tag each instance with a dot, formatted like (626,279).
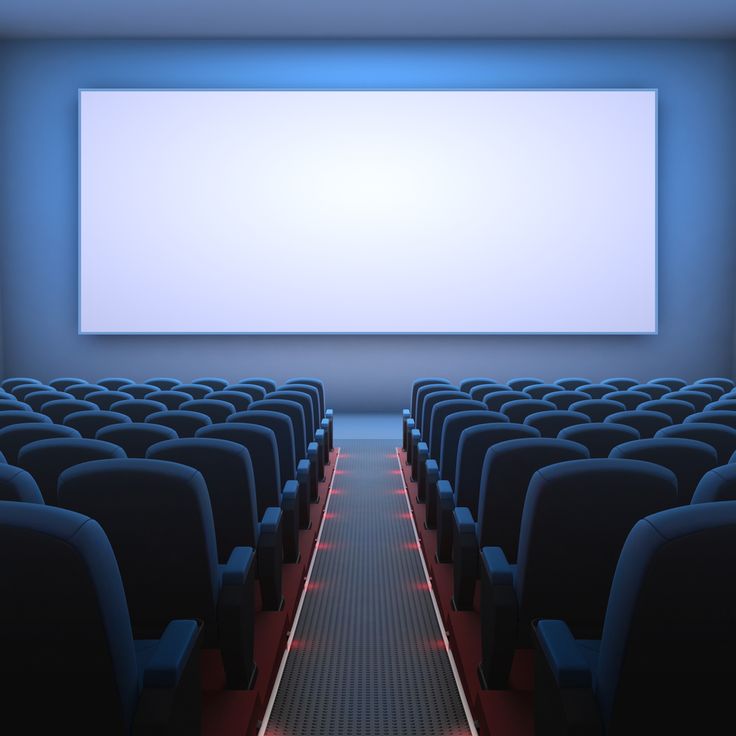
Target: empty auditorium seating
(478,392)
(674,384)
(137,409)
(709,417)
(576,517)
(21,390)
(21,417)
(540,390)
(70,663)
(675,409)
(646,423)
(572,383)
(597,409)
(713,390)
(519,384)
(80,390)
(519,409)
(597,390)
(58,409)
(105,399)
(184,423)
(163,383)
(139,390)
(653,390)
(135,437)
(563,399)
(255,392)
(469,383)
(494,401)
(718,484)
(169,398)
(36,399)
(699,399)
(13,405)
(216,384)
(88,422)
(266,383)
(719,436)
(18,485)
(8,384)
(599,437)
(215,409)
(550,423)
(621,383)
(114,383)
(240,400)
(158,518)
(195,390)
(630,399)
(664,662)
(15,436)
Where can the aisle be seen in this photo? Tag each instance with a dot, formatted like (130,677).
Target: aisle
(368,656)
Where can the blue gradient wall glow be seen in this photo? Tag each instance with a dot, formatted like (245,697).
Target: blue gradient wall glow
(38,209)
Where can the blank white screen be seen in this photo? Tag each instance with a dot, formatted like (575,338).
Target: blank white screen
(367,211)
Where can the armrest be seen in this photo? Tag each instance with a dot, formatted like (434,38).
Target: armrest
(321,440)
(289,496)
(329,413)
(446,495)
(405,413)
(429,479)
(314,470)
(290,506)
(465,558)
(304,479)
(175,646)
(564,658)
(497,567)
(445,505)
(464,521)
(302,469)
(238,566)
(271,519)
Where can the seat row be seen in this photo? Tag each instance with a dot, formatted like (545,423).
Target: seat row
(189,522)
(543,519)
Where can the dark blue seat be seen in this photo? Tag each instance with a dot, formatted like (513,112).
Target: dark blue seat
(22,390)
(270,491)
(479,392)
(621,384)
(646,423)
(61,384)
(36,399)
(721,405)
(105,399)
(81,390)
(507,470)
(572,383)
(140,390)
(18,485)
(313,394)
(719,436)
(47,459)
(597,390)
(70,663)
(522,382)
(673,408)
(699,399)
(541,390)
(228,473)
(550,423)
(664,664)
(137,409)
(218,411)
(725,383)
(241,401)
(135,437)
(652,390)
(15,436)
(576,517)
(518,410)
(195,390)
(57,410)
(467,384)
(702,417)
(597,409)
(13,405)
(216,384)
(9,384)
(163,383)
(8,418)
(266,383)
(673,384)
(169,398)
(255,392)
(114,383)
(688,459)
(599,437)
(422,393)
(88,422)
(718,484)
(494,401)
(564,399)
(158,518)
(184,423)
(326,413)
(713,390)
(630,399)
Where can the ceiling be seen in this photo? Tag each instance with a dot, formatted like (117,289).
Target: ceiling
(368,19)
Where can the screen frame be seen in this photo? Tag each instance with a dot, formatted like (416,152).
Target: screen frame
(653,90)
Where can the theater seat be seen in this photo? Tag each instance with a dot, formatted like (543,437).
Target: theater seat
(675,409)
(88,422)
(664,664)
(228,474)
(327,413)
(630,399)
(718,484)
(725,383)
(46,459)
(36,399)
(138,409)
(478,393)
(540,390)
(708,417)
(80,390)
(519,384)
(195,390)
(688,459)
(8,418)
(241,401)
(673,384)
(20,391)
(713,390)
(61,384)
(469,383)
(70,663)
(9,384)
(494,401)
(653,390)
(216,384)
(169,398)
(621,383)
(572,383)
(699,399)
(646,423)
(563,399)
(105,399)
(158,518)
(162,383)
(184,423)
(139,390)
(135,437)
(56,411)
(507,470)
(518,410)
(18,485)
(599,437)
(721,405)
(597,390)
(266,383)
(13,405)
(551,423)
(576,517)
(597,409)
(114,383)
(720,437)
(255,392)
(217,411)
(15,436)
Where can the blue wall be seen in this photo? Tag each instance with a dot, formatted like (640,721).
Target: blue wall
(38,209)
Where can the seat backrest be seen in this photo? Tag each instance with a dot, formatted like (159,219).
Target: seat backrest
(8,418)
(719,436)
(88,422)
(420,383)
(295,412)
(138,409)
(572,383)
(8,384)
(440,413)
(114,383)
(599,437)
(422,393)
(37,399)
(313,394)
(472,447)
(453,427)
(673,384)
(563,399)
(215,409)
(306,403)
(713,390)
(652,390)
(47,459)
(22,390)
(195,390)
(646,423)
(80,390)
(518,410)
(467,384)
(13,405)
(576,518)
(597,390)
(264,455)
(135,437)
(282,427)
(540,390)
(479,392)
(241,401)
(266,383)
(709,417)
(216,384)
(699,399)
(158,518)
(725,383)
(139,390)
(317,383)
(494,401)
(675,409)
(666,658)
(57,410)
(169,398)
(721,405)
(689,460)
(520,383)
(18,485)
(61,384)
(550,422)
(163,383)
(184,423)
(507,469)
(718,484)
(228,474)
(15,436)
(597,409)
(622,383)
(630,399)
(66,639)
(105,399)
(256,393)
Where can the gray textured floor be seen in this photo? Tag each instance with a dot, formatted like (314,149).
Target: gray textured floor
(368,658)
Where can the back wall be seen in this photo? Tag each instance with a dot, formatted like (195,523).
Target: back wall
(38,210)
